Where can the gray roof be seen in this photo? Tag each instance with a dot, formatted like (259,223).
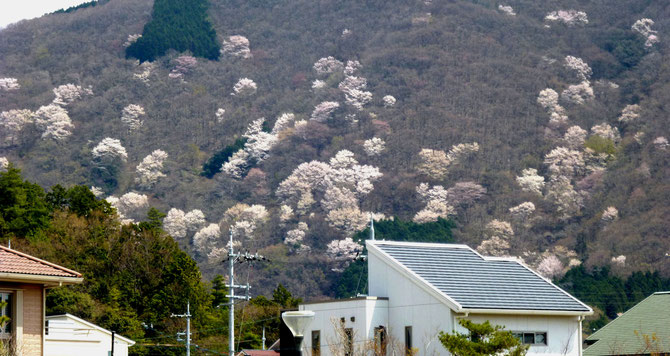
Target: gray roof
(477,282)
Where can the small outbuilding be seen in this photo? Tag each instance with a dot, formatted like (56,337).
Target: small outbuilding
(66,335)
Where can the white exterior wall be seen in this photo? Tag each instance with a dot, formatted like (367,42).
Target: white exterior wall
(562,331)
(368,313)
(68,336)
(410,305)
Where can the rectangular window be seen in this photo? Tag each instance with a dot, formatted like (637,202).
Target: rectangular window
(316,342)
(532,338)
(408,340)
(349,346)
(6,315)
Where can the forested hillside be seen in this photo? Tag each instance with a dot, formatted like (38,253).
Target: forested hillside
(539,129)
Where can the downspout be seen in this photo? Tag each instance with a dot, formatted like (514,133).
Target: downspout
(579,337)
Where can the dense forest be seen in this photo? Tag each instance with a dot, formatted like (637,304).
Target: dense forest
(180,25)
(529,129)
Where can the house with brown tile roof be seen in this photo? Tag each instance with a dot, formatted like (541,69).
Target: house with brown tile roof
(24,280)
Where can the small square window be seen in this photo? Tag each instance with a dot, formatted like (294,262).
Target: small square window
(540,338)
(529,338)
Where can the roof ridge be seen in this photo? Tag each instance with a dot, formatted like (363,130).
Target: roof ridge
(39,260)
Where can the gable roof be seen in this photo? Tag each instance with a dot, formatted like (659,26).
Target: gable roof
(470,282)
(18,266)
(625,334)
(90,326)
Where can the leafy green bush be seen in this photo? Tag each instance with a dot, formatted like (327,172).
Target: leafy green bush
(601,145)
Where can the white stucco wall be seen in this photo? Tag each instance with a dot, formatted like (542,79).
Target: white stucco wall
(69,337)
(368,313)
(409,305)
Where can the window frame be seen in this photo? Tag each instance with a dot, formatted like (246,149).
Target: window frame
(316,348)
(8,332)
(408,340)
(521,335)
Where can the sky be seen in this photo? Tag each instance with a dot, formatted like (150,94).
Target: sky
(15,10)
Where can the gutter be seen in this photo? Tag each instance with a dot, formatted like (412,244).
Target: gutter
(51,281)
(525,312)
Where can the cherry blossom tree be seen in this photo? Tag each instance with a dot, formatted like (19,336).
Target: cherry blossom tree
(352,67)
(11,124)
(578,94)
(564,161)
(568,17)
(436,163)
(182,65)
(131,116)
(610,214)
(132,38)
(318,84)
(580,67)
(661,143)
(604,130)
(494,246)
(389,101)
(98,192)
(550,267)
(522,211)
(630,113)
(323,111)
(285,213)
(244,87)
(236,46)
(530,181)
(174,223)
(374,146)
(54,122)
(207,238)
(145,70)
(220,112)
(560,191)
(619,261)
(67,93)
(109,150)
(150,169)
(507,10)
(194,220)
(4,164)
(574,137)
(343,250)
(131,206)
(357,98)
(464,193)
(643,27)
(328,65)
(8,84)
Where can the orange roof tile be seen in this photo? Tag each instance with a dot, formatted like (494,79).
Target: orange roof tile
(12,261)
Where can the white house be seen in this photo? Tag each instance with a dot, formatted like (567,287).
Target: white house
(419,289)
(66,335)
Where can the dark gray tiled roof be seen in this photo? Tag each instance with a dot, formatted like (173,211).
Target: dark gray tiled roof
(478,283)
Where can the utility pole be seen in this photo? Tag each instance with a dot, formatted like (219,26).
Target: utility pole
(263,339)
(113,334)
(372,228)
(188,327)
(232,258)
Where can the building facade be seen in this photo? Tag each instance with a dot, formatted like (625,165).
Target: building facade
(418,290)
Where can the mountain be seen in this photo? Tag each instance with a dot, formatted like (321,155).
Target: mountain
(539,128)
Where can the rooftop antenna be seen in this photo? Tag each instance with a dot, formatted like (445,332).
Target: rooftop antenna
(372,228)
